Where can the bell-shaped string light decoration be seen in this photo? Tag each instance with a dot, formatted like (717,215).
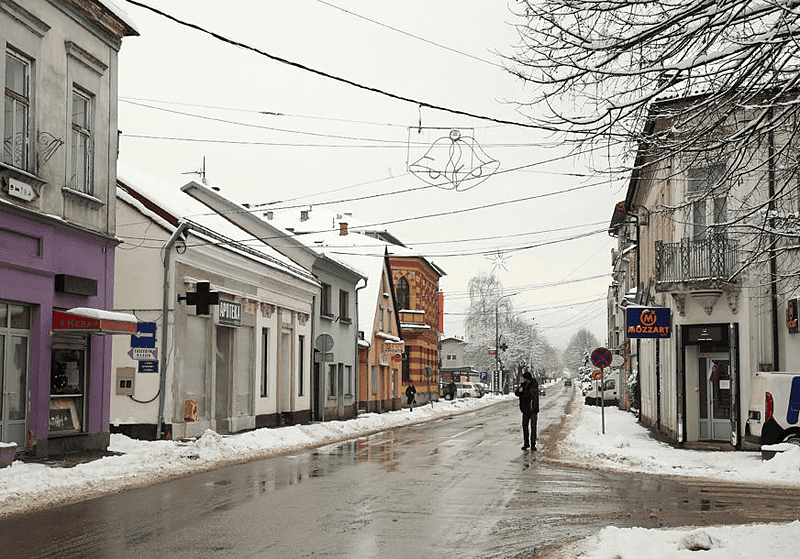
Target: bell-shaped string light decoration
(454,162)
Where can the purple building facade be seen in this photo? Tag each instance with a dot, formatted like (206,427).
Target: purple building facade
(58,60)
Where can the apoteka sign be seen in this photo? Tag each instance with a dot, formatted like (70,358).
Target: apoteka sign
(648,322)
(230,313)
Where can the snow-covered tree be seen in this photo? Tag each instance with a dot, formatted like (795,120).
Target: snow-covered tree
(580,347)
(492,323)
(690,84)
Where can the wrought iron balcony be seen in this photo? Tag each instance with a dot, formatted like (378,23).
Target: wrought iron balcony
(709,263)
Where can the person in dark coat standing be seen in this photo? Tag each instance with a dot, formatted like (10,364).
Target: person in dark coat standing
(451,391)
(410,391)
(528,394)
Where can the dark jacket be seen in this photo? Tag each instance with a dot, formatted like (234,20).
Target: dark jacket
(410,391)
(528,394)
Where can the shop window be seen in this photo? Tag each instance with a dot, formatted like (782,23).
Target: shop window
(68,382)
(264,362)
(374,379)
(332,380)
(301,365)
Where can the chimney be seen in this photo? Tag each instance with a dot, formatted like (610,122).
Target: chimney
(303,215)
(342,228)
(269,214)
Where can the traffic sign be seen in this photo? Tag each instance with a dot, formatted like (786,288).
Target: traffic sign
(601,357)
(324,342)
(145,335)
(617,360)
(323,357)
(597,375)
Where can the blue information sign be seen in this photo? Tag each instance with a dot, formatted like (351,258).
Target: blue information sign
(148,366)
(648,322)
(145,335)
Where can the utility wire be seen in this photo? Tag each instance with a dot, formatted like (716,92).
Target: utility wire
(407,34)
(334,77)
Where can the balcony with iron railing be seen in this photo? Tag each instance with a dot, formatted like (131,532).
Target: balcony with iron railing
(697,264)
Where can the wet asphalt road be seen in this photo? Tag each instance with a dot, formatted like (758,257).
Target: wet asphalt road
(458,487)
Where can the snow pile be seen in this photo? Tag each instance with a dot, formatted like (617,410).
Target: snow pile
(28,486)
(627,445)
(712,542)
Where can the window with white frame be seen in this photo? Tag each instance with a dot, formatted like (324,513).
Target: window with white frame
(16,123)
(81,148)
(708,204)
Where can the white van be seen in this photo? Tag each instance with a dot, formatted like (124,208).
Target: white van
(612,389)
(774,412)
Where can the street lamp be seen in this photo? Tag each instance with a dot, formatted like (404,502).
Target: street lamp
(497,339)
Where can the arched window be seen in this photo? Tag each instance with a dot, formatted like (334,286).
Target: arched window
(401,291)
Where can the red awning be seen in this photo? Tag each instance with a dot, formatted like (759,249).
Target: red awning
(94,321)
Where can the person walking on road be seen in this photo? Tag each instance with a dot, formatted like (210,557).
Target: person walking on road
(528,394)
(410,391)
(451,391)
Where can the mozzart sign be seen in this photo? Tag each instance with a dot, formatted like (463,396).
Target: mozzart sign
(648,322)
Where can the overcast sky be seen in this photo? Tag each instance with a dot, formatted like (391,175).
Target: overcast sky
(276,133)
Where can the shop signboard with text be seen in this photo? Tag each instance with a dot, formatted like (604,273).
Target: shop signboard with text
(648,322)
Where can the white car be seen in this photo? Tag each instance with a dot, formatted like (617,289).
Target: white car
(468,390)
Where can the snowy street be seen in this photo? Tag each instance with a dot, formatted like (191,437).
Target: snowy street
(458,484)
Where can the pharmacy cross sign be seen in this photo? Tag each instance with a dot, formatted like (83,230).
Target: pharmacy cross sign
(202,298)
(601,357)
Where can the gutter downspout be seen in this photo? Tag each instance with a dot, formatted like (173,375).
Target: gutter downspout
(162,381)
(357,361)
(773,265)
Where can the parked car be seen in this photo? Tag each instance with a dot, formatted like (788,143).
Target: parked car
(612,386)
(468,390)
(774,411)
(568,382)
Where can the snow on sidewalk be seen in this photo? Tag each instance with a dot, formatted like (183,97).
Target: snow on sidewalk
(628,446)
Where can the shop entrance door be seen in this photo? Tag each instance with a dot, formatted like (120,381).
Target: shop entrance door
(13,382)
(715,397)
(15,331)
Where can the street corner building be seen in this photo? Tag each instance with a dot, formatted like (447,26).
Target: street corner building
(57,221)
(696,307)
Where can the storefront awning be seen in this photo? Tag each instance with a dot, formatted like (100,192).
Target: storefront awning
(94,321)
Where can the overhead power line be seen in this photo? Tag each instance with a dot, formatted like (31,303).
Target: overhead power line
(407,34)
(334,77)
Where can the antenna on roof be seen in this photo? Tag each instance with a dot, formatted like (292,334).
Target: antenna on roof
(201,172)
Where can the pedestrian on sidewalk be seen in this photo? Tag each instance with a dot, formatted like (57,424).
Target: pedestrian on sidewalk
(528,394)
(410,391)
